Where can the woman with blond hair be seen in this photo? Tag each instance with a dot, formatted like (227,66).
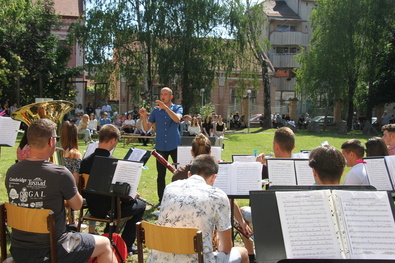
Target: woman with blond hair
(84,130)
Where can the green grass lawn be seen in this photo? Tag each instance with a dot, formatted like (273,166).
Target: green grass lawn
(239,142)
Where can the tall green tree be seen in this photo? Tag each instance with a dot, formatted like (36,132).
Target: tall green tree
(347,36)
(191,46)
(30,52)
(249,21)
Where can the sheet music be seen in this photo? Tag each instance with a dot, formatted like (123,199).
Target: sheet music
(92,147)
(304,173)
(281,172)
(301,155)
(247,176)
(184,155)
(243,158)
(222,180)
(369,223)
(377,173)
(239,178)
(128,172)
(306,223)
(9,131)
(390,161)
(137,155)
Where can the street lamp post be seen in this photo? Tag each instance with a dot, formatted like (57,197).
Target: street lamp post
(249,113)
(201,94)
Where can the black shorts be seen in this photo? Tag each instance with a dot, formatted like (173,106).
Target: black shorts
(75,247)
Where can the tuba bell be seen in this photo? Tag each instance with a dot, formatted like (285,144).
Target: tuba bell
(53,110)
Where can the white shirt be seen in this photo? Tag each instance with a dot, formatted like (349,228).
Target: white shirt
(92,124)
(357,176)
(194,130)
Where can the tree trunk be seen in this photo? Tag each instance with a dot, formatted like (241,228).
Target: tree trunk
(267,111)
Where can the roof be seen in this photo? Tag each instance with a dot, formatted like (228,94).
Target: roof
(279,10)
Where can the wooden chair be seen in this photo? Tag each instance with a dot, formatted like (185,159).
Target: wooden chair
(28,220)
(175,240)
(118,220)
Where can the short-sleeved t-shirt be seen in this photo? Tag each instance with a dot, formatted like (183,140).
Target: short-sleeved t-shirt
(193,203)
(39,184)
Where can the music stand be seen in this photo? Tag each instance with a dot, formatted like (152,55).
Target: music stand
(99,182)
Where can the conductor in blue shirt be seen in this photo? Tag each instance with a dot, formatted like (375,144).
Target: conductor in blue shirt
(166,116)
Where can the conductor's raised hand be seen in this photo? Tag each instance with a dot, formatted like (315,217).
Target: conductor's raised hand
(161,105)
(143,112)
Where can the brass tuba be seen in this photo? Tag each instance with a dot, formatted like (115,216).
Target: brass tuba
(53,110)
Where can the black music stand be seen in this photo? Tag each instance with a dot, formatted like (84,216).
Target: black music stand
(268,238)
(99,182)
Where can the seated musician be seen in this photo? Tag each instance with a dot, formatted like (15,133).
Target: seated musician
(353,151)
(202,145)
(194,202)
(54,184)
(283,144)
(99,205)
(328,164)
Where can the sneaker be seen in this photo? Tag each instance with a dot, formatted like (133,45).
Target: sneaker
(132,250)
(156,213)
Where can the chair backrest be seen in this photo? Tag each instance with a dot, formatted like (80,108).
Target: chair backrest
(28,220)
(83,181)
(170,239)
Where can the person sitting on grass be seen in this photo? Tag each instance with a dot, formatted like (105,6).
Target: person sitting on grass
(353,151)
(328,164)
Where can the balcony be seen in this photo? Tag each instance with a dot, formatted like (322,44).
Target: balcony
(283,60)
(283,84)
(289,38)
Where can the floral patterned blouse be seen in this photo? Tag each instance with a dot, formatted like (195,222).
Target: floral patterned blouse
(193,203)
(72,164)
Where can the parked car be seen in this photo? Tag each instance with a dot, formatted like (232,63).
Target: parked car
(255,120)
(321,119)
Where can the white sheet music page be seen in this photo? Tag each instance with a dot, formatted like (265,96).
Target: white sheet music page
(377,173)
(8,130)
(128,172)
(246,176)
(390,161)
(307,225)
(304,173)
(137,154)
(244,158)
(184,155)
(222,181)
(369,224)
(281,172)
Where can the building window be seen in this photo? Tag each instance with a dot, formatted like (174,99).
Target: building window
(286,28)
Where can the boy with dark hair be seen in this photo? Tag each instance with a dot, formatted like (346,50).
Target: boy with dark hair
(99,205)
(389,137)
(328,165)
(353,151)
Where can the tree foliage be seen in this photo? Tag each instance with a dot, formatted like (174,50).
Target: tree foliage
(249,22)
(31,52)
(181,41)
(343,54)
